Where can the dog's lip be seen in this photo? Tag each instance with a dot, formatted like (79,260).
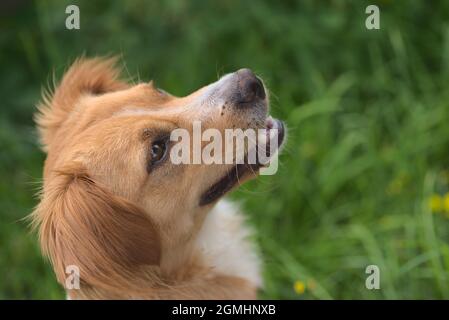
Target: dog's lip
(240,171)
(272,123)
(227,182)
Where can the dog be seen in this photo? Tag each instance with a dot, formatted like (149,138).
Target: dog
(112,204)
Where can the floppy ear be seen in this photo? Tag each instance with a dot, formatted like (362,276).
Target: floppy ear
(85,76)
(81,223)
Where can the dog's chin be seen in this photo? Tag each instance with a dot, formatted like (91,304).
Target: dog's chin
(241,173)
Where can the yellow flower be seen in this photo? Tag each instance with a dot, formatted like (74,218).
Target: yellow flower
(446,202)
(436,202)
(299,287)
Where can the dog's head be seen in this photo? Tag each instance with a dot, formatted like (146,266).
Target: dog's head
(113,198)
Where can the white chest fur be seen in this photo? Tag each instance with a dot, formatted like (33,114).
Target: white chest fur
(225,245)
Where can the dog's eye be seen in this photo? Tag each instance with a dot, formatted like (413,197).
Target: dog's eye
(158,151)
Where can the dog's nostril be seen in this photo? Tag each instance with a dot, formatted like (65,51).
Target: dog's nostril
(251,87)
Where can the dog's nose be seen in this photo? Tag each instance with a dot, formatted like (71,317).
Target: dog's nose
(250,86)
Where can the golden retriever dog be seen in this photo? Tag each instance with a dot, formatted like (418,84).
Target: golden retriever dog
(136,225)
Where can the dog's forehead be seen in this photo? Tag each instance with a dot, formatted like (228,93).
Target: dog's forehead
(117,120)
(140,100)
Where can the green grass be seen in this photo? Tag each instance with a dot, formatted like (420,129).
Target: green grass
(367,112)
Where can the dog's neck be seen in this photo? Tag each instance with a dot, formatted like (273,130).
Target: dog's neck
(179,264)
(216,262)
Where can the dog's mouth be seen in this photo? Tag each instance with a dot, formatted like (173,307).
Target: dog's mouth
(275,130)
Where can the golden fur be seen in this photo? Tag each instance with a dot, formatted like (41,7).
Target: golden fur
(132,235)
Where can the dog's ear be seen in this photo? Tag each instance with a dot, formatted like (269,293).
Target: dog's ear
(84,77)
(82,224)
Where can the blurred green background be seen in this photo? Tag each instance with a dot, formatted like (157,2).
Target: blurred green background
(364,176)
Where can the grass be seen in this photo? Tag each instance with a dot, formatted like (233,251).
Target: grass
(368,140)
